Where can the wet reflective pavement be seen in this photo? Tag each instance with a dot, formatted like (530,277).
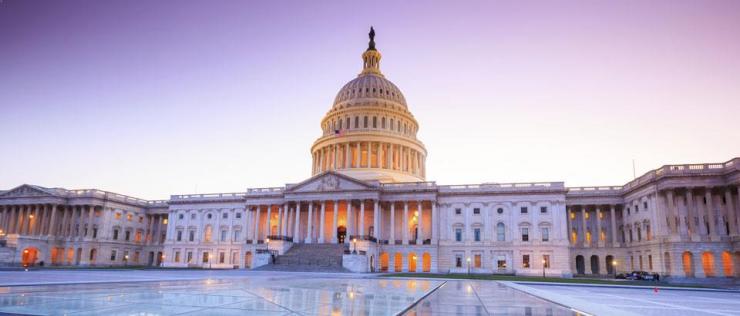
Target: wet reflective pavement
(278,294)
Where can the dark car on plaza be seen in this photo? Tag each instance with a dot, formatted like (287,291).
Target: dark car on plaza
(641,275)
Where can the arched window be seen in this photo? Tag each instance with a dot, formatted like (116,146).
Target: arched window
(382,123)
(375,122)
(357,122)
(364,124)
(500,232)
(208,232)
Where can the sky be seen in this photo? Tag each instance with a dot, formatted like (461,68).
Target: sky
(154,98)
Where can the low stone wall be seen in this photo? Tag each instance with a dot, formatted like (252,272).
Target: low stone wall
(355,263)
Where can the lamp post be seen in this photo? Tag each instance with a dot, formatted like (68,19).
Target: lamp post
(614,267)
(125,260)
(543,267)
(354,241)
(210,260)
(468,265)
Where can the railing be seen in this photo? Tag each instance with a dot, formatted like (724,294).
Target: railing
(363,238)
(409,185)
(687,169)
(503,186)
(280,237)
(600,190)
(257,191)
(95,193)
(208,196)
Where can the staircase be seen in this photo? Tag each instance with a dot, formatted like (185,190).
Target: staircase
(310,258)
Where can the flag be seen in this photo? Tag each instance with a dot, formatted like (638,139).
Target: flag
(339,132)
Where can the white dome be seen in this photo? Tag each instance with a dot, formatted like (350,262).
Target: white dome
(370,86)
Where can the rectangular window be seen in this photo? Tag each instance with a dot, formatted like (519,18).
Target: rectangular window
(458,261)
(190,257)
(205,257)
(458,211)
(112,255)
(137,237)
(118,215)
(221,257)
(476,233)
(476,211)
(650,262)
(191,237)
(477,260)
(179,235)
(546,261)
(525,261)
(181,216)
(525,234)
(224,235)
(644,205)
(237,235)
(129,217)
(192,216)
(545,234)
(524,210)
(238,215)
(128,235)
(543,209)
(501,263)
(115,234)
(177,256)
(458,234)
(225,215)
(95,233)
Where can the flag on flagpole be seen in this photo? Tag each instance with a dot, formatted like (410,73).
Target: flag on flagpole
(339,132)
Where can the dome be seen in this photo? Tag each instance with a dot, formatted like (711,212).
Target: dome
(370,86)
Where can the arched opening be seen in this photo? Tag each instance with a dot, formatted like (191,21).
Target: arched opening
(54,256)
(667,263)
(412,261)
(341,234)
(398,262)
(594,264)
(707,262)
(93,255)
(150,260)
(688,264)
(727,264)
(580,265)
(29,257)
(610,264)
(384,261)
(426,264)
(248,260)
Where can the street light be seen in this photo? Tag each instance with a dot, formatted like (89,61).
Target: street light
(543,267)
(125,260)
(354,241)
(614,269)
(210,260)
(468,265)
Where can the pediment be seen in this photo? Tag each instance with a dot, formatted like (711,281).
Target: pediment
(330,181)
(27,190)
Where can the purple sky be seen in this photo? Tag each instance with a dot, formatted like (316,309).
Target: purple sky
(170,97)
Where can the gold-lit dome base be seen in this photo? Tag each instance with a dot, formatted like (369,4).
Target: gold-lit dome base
(383,176)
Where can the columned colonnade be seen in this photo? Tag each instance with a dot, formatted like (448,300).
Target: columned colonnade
(369,154)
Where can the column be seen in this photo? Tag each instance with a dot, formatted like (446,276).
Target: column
(257,211)
(279,230)
(52,221)
(710,213)
(362,218)
(33,224)
(334,222)
(614,224)
(599,242)
(690,209)
(346,155)
(297,228)
(350,227)
(583,226)
(381,156)
(358,158)
(321,224)
(671,213)
(731,216)
(435,220)
(369,155)
(393,224)
(405,222)
(309,225)
(391,161)
(420,234)
(376,220)
(90,213)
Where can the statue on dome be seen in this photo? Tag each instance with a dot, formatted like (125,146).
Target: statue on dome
(371,46)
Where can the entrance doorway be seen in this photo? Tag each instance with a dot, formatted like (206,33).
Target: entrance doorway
(341,234)
(29,257)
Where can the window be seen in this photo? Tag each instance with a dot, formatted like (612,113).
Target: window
(225,215)
(524,210)
(224,234)
(458,234)
(348,123)
(644,205)
(639,234)
(637,208)
(545,234)
(364,122)
(141,219)
(129,217)
(128,235)
(476,233)
(375,122)
(458,261)
(650,262)
(221,257)
(238,214)
(95,233)
(546,261)
(476,211)
(357,122)
(181,216)
(543,209)
(115,234)
(177,256)
(500,210)
(179,235)
(113,255)
(207,234)
(118,215)
(190,257)
(525,233)
(500,232)
(477,261)
(237,235)
(205,257)
(191,236)
(209,215)
(458,211)
(192,216)
(525,261)
(137,236)
(501,263)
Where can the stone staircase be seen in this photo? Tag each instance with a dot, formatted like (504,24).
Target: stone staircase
(309,257)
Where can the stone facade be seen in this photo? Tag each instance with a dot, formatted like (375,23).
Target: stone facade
(368,191)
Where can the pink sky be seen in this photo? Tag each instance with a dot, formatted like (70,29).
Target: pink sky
(173,97)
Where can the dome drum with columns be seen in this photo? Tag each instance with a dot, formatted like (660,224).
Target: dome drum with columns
(369,133)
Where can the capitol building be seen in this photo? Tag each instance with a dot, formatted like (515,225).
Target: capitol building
(369,207)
